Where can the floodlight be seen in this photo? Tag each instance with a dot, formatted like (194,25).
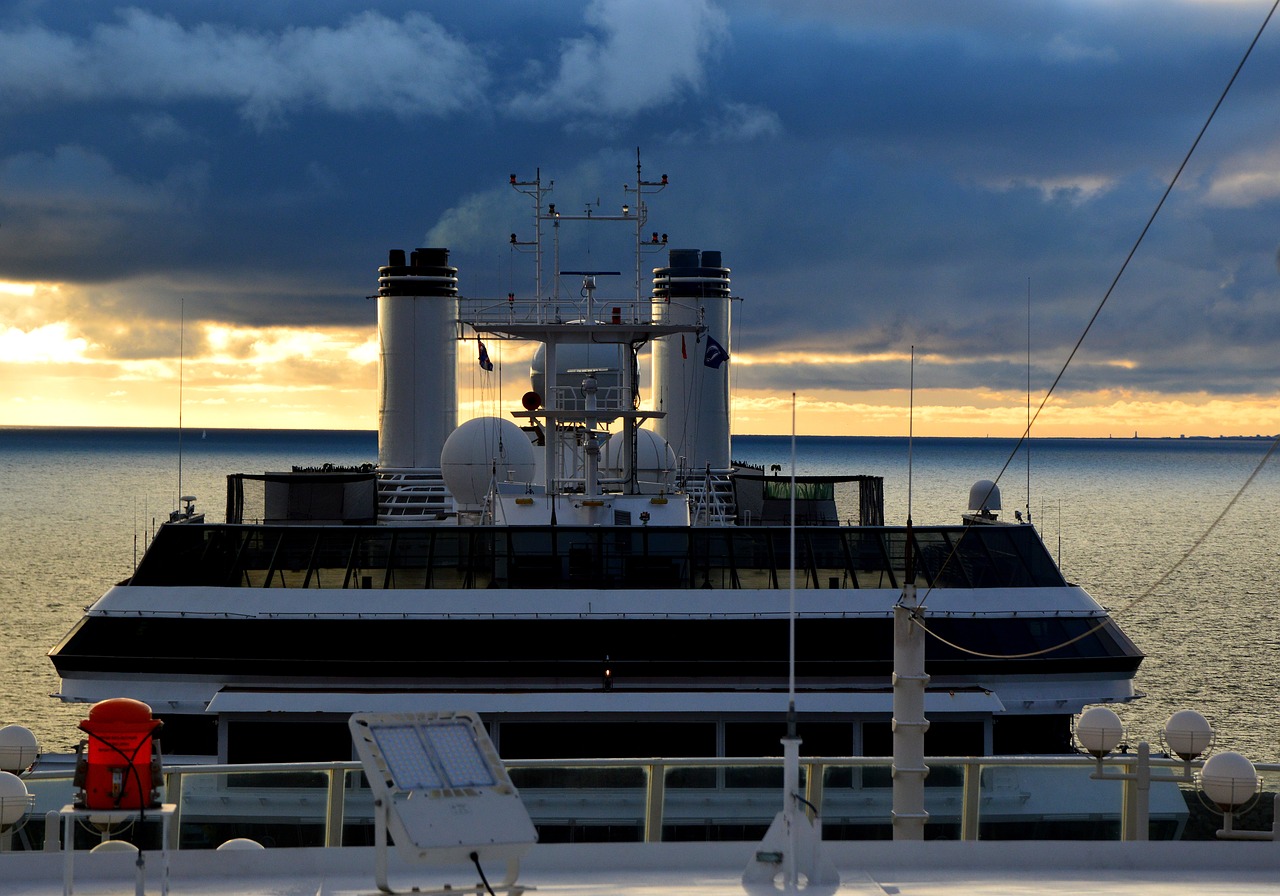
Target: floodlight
(440,790)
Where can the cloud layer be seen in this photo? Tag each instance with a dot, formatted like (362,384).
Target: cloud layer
(878,176)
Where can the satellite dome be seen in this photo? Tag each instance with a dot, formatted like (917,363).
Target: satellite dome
(984,496)
(576,361)
(655,461)
(481,451)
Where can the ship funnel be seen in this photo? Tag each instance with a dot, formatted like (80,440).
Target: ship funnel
(417,358)
(690,373)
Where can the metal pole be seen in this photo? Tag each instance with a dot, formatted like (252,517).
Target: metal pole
(790,788)
(1142,812)
(909,723)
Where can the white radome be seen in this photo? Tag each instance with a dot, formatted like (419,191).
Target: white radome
(655,461)
(480,451)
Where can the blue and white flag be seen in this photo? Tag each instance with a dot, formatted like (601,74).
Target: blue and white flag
(485,363)
(716,355)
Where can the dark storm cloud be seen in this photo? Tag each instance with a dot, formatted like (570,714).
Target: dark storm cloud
(878,175)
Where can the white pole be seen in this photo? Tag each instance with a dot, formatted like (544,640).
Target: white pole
(909,681)
(909,723)
(791,743)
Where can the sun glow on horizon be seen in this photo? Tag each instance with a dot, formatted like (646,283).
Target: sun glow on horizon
(326,378)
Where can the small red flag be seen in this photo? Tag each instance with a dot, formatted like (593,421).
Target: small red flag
(683,352)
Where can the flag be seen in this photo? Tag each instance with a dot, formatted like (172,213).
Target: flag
(716,355)
(684,353)
(485,363)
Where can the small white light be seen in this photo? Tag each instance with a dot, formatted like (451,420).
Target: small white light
(1099,730)
(1228,780)
(1187,734)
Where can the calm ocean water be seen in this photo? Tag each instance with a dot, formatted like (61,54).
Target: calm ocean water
(76,504)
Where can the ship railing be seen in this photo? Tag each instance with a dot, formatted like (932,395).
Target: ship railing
(406,495)
(968,798)
(481,313)
(711,499)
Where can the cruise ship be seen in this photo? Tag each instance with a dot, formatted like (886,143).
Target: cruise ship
(591,573)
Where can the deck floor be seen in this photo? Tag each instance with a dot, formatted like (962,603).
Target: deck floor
(1036,868)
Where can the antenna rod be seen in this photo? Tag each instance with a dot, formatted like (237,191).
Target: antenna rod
(911,420)
(1028,399)
(909,572)
(791,665)
(182,346)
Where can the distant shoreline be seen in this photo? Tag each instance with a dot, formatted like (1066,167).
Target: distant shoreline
(198,430)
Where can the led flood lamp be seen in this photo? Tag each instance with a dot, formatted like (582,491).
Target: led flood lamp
(440,790)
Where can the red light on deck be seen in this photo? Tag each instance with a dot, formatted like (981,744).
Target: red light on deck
(119,770)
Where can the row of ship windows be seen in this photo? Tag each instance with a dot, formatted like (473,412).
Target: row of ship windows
(251,741)
(564,557)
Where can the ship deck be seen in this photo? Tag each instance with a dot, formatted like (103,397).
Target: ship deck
(1045,868)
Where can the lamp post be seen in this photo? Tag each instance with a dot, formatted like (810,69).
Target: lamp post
(1099,731)
(1229,781)
(18,752)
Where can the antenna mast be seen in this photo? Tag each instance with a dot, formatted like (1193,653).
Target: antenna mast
(182,330)
(1028,445)
(911,419)
(791,670)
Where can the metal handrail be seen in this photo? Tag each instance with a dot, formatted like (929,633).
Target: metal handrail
(655,788)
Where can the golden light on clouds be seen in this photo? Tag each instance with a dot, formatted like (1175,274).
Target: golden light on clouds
(51,343)
(17,289)
(952,413)
(53,373)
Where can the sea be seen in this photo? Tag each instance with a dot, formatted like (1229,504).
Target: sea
(1172,536)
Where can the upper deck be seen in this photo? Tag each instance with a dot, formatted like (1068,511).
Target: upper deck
(602,558)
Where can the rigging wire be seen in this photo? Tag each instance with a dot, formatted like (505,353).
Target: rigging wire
(1151,589)
(1071,356)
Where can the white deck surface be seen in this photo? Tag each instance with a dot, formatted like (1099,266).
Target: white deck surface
(1043,868)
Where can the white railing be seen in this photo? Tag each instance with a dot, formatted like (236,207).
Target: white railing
(652,794)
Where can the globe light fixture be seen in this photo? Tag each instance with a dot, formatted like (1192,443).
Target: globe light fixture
(1187,734)
(1229,780)
(15,802)
(1099,731)
(18,749)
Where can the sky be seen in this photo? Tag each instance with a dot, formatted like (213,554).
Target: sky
(195,198)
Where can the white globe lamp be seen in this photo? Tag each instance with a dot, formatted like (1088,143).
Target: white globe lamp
(1099,731)
(1187,734)
(18,749)
(15,802)
(1228,780)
